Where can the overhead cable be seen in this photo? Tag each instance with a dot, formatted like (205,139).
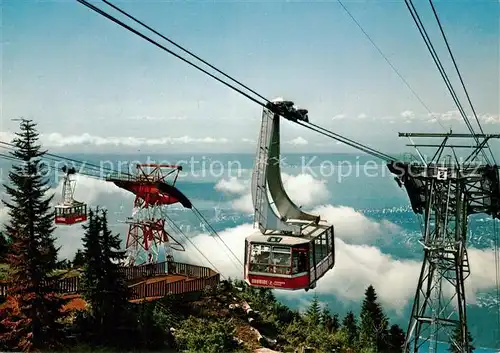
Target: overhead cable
(197,213)
(262,104)
(389,62)
(143,36)
(183,49)
(437,61)
(459,74)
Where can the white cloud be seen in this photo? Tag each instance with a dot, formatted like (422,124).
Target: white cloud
(157,118)
(356,267)
(58,140)
(298,141)
(339,117)
(454,116)
(408,114)
(357,264)
(449,115)
(354,226)
(489,118)
(362,116)
(6,136)
(247,140)
(304,190)
(233,185)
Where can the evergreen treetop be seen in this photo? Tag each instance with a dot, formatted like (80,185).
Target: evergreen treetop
(456,341)
(374,324)
(104,284)
(313,313)
(349,325)
(32,317)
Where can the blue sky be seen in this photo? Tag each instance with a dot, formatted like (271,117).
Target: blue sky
(91,84)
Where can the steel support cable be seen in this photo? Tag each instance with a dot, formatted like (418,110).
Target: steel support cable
(2,156)
(202,218)
(101,12)
(120,23)
(389,62)
(54,167)
(437,61)
(179,230)
(11,146)
(458,73)
(43,158)
(184,49)
(347,141)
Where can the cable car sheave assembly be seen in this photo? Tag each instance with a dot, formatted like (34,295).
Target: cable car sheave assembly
(154,188)
(69,211)
(292,249)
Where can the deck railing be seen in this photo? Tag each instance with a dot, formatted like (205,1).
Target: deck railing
(198,278)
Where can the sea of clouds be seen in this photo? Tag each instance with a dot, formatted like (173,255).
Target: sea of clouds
(359,263)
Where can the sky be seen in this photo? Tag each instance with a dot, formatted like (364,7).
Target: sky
(93,86)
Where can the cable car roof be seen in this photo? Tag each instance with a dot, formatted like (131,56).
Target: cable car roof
(70,205)
(310,232)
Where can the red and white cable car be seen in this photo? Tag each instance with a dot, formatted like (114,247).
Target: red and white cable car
(289,262)
(292,249)
(70,211)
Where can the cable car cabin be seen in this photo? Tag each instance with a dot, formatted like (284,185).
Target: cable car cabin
(71,213)
(289,262)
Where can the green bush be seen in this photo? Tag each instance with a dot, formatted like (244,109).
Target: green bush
(199,335)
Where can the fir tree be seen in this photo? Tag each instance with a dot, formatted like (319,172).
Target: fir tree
(313,313)
(105,286)
(115,284)
(4,246)
(458,339)
(79,259)
(374,325)
(93,273)
(396,339)
(31,320)
(330,322)
(350,327)
(335,322)
(326,319)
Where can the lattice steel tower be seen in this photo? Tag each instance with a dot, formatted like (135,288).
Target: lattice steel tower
(445,191)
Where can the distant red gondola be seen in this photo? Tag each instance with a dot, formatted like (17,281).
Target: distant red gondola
(69,211)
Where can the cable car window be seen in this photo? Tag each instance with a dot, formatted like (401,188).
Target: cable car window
(260,258)
(295,262)
(281,249)
(299,261)
(324,243)
(330,240)
(320,247)
(282,260)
